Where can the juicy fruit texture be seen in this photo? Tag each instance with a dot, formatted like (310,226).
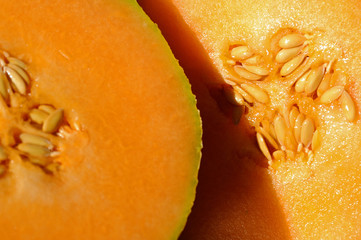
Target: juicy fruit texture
(305,58)
(100,135)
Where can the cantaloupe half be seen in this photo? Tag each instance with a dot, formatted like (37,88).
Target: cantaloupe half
(100,135)
(308,188)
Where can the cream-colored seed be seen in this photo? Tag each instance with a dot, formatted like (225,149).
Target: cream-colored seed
(286,54)
(280,129)
(256,92)
(3,155)
(16,79)
(263,146)
(348,106)
(38,116)
(4,90)
(293,116)
(20,71)
(268,137)
(301,82)
(332,94)
(256,59)
(292,65)
(53,167)
(256,70)
(307,130)
(290,141)
(243,73)
(17,62)
(298,126)
(232,96)
(316,140)
(314,79)
(35,139)
(34,150)
(244,94)
(241,52)
(279,155)
(324,85)
(268,127)
(292,40)
(47,108)
(53,121)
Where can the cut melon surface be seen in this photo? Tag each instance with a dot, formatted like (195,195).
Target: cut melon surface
(312,193)
(122,152)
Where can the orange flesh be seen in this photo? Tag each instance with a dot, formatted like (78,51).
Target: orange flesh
(130,172)
(300,200)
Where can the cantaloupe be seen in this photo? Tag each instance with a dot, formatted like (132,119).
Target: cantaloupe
(100,135)
(280,61)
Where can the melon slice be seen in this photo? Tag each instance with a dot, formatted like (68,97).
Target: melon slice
(100,135)
(289,167)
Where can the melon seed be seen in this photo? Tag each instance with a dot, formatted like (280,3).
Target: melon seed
(256,59)
(53,121)
(263,146)
(4,86)
(256,70)
(17,62)
(241,52)
(291,40)
(314,79)
(268,137)
(284,55)
(244,94)
(331,94)
(292,65)
(307,132)
(301,82)
(293,116)
(16,79)
(243,73)
(46,108)
(20,71)
(348,106)
(256,92)
(38,116)
(35,139)
(280,129)
(316,140)
(34,150)
(298,126)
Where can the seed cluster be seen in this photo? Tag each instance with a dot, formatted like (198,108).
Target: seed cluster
(289,132)
(35,138)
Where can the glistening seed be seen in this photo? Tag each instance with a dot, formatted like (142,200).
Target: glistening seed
(307,132)
(35,139)
(244,94)
(241,52)
(256,70)
(53,121)
(4,86)
(292,65)
(20,71)
(331,94)
(280,129)
(314,79)
(243,73)
(252,60)
(34,150)
(348,106)
(46,108)
(293,116)
(284,55)
(301,82)
(298,126)
(16,79)
(316,140)
(38,116)
(17,62)
(256,92)
(292,40)
(263,146)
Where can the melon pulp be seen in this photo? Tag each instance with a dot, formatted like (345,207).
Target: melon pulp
(128,148)
(311,198)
